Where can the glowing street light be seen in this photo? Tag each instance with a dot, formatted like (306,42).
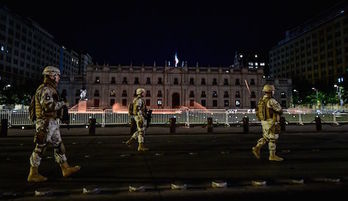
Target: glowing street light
(297,98)
(317,96)
(339,94)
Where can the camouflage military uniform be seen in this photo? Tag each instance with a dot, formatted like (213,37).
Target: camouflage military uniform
(139,112)
(270,126)
(47,126)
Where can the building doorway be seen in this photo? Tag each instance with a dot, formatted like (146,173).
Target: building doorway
(175,100)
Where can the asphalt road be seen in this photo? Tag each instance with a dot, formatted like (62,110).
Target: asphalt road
(315,167)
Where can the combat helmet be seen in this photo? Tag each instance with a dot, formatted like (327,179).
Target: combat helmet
(51,70)
(139,91)
(268,88)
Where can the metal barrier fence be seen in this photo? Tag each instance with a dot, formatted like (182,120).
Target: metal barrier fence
(183,116)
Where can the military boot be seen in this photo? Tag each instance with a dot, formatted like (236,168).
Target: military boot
(34,175)
(274,157)
(256,151)
(130,141)
(67,170)
(141,147)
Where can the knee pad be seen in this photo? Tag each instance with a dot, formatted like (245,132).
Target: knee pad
(272,145)
(40,149)
(60,149)
(262,141)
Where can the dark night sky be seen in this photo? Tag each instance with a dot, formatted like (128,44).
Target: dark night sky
(118,32)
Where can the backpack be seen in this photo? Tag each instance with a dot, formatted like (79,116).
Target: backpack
(32,109)
(32,112)
(261,110)
(130,109)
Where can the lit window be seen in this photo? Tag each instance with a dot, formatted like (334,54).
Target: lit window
(282,95)
(237,103)
(159,102)
(113,93)
(262,64)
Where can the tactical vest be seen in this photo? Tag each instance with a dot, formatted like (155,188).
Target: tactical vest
(40,114)
(269,113)
(263,112)
(135,108)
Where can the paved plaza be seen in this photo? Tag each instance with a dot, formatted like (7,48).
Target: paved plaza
(188,165)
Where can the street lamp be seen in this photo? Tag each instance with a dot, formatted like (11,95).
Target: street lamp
(7,87)
(339,94)
(293,98)
(317,96)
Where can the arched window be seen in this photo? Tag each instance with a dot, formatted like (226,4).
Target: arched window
(148,80)
(112,93)
(148,93)
(282,95)
(226,94)
(124,93)
(214,81)
(215,94)
(237,94)
(252,82)
(192,95)
(176,82)
(203,95)
(253,95)
(96,93)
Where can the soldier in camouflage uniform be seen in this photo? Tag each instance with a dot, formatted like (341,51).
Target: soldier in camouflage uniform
(47,126)
(139,112)
(270,125)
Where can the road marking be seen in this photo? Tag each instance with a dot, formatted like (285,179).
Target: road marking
(91,190)
(258,183)
(136,189)
(219,184)
(178,187)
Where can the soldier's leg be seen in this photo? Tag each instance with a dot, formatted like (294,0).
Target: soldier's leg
(133,128)
(257,148)
(141,132)
(36,156)
(59,150)
(272,150)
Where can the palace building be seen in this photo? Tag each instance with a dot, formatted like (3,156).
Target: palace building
(174,87)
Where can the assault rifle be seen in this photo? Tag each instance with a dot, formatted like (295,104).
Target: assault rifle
(64,113)
(148,116)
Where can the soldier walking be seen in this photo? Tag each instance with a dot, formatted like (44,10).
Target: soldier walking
(47,126)
(139,114)
(268,112)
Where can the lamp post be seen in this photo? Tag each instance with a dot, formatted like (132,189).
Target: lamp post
(294,101)
(339,94)
(317,96)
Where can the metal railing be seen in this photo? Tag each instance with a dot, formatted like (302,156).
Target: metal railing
(183,116)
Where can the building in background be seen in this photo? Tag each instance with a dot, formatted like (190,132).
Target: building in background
(26,48)
(174,87)
(315,52)
(249,60)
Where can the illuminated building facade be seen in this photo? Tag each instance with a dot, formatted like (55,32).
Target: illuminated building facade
(174,87)
(316,51)
(26,48)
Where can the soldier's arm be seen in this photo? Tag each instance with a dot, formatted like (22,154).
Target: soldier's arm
(275,106)
(139,107)
(47,102)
